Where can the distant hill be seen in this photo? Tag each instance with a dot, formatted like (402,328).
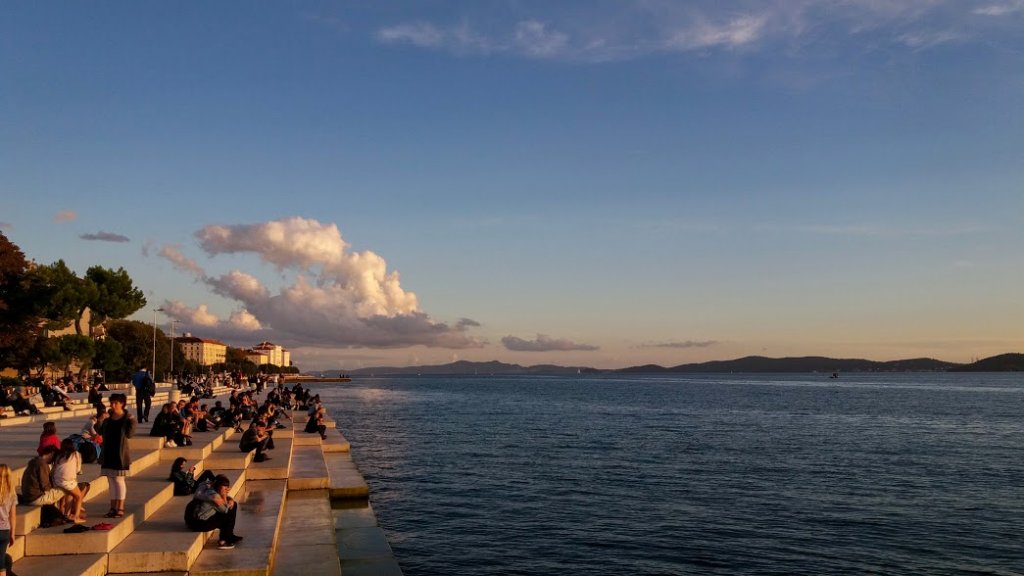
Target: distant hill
(747,364)
(466,367)
(1002,363)
(800,364)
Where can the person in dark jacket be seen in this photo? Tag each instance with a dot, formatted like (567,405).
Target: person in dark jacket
(116,459)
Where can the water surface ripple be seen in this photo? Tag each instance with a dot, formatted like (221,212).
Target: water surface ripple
(705,474)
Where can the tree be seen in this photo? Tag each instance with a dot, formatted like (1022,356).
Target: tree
(108,356)
(116,297)
(18,322)
(76,348)
(136,339)
(61,296)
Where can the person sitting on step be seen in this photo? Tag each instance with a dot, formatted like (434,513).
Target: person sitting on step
(256,438)
(211,507)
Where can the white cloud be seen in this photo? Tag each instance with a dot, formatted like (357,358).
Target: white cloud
(735,33)
(786,28)
(534,38)
(543,343)
(173,254)
(189,317)
(1001,9)
(422,34)
(338,297)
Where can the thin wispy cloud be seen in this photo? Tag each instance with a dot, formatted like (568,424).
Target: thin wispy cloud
(6,225)
(544,343)
(65,216)
(680,344)
(639,29)
(874,230)
(105,237)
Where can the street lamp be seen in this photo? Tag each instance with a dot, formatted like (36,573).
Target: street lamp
(154,341)
(173,322)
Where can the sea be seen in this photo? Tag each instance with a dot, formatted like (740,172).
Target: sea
(916,473)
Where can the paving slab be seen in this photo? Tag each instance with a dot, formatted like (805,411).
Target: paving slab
(353,514)
(363,543)
(336,443)
(371,567)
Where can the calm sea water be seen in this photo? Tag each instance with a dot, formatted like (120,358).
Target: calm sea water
(710,474)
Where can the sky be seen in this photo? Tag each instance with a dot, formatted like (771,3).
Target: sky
(593,183)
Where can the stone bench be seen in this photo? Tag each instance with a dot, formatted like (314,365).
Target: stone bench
(343,477)
(308,470)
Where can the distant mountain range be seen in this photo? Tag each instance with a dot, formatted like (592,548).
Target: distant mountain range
(1001,363)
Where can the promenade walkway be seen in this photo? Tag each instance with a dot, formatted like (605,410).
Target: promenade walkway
(286,514)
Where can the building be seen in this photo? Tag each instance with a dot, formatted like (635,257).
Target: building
(203,351)
(275,354)
(257,358)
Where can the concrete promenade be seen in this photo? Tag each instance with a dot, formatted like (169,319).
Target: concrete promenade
(304,511)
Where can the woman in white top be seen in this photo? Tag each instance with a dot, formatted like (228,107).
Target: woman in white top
(67,465)
(8,514)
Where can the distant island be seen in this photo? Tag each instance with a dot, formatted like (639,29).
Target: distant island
(749,364)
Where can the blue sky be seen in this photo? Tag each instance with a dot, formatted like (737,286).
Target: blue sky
(582,183)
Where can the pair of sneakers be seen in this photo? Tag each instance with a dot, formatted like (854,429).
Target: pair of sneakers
(229,543)
(170,444)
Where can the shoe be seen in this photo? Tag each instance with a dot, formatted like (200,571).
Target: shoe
(170,444)
(236,539)
(225,545)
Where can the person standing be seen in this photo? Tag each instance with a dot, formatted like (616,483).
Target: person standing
(116,459)
(8,514)
(144,386)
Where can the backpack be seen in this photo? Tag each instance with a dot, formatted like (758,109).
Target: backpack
(90,452)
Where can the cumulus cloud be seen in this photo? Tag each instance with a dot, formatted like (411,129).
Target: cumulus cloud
(199,316)
(681,344)
(105,237)
(65,216)
(336,296)
(543,343)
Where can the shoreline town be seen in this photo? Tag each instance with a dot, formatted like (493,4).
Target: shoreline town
(301,508)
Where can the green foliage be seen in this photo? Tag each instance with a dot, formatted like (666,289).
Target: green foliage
(136,339)
(109,355)
(60,295)
(116,296)
(18,322)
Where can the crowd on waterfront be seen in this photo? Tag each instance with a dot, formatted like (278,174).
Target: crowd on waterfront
(50,478)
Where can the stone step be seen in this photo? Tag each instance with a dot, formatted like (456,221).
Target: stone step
(344,478)
(307,545)
(308,471)
(79,565)
(277,468)
(163,543)
(147,492)
(336,443)
(362,546)
(259,520)
(228,456)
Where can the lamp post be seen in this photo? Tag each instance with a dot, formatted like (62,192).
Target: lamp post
(154,341)
(173,322)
